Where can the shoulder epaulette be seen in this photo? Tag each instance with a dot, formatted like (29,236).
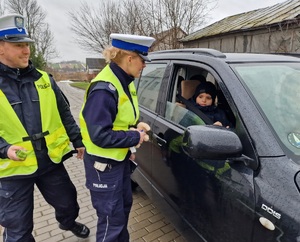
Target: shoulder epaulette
(101,85)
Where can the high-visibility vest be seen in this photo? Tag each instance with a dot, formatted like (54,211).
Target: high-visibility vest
(125,116)
(13,131)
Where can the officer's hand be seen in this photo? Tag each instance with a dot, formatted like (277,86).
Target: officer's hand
(142,136)
(218,123)
(80,153)
(132,156)
(11,152)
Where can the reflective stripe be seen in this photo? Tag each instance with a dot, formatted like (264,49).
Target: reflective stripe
(106,228)
(58,144)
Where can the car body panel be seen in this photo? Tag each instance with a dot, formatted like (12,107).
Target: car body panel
(219,199)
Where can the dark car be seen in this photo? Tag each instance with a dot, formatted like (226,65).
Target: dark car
(220,184)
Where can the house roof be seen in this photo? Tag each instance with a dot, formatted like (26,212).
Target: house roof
(287,11)
(168,32)
(95,63)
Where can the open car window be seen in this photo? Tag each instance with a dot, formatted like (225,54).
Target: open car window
(181,115)
(185,81)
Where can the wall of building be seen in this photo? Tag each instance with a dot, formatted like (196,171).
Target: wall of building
(283,39)
(165,41)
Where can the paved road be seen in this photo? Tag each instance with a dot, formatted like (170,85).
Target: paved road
(146,222)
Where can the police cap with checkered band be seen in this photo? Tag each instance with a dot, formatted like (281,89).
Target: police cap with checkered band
(12,29)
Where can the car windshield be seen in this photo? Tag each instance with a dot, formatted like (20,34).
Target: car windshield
(276,88)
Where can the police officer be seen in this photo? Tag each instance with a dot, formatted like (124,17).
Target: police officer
(36,127)
(109,109)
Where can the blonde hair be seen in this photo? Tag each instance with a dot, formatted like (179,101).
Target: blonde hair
(114,54)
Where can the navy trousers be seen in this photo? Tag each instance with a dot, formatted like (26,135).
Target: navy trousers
(16,203)
(111,196)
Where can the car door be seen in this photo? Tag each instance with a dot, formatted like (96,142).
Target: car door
(215,197)
(148,91)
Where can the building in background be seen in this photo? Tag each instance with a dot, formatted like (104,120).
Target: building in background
(67,70)
(169,39)
(274,29)
(93,66)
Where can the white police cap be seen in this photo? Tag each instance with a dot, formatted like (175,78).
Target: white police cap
(12,28)
(137,43)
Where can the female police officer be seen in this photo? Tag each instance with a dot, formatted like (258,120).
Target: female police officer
(109,110)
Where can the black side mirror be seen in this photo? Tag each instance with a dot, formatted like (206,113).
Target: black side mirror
(211,142)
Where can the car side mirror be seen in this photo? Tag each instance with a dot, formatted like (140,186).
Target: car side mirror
(211,142)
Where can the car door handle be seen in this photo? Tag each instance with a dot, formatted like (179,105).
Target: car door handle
(160,141)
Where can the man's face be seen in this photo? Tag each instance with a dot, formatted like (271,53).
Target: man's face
(14,55)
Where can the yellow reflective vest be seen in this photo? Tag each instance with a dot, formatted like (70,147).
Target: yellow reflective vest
(125,117)
(13,131)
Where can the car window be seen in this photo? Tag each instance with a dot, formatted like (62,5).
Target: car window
(276,88)
(183,109)
(149,85)
(181,115)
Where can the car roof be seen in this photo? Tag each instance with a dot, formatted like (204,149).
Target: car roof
(228,57)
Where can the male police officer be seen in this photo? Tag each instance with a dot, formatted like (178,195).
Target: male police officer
(36,127)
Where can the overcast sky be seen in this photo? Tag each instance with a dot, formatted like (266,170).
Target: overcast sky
(58,19)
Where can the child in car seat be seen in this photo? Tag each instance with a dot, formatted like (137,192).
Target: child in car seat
(204,99)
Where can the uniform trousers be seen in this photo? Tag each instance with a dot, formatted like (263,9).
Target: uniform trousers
(17,203)
(111,196)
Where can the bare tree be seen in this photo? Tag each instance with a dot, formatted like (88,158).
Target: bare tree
(174,19)
(43,48)
(166,20)
(93,29)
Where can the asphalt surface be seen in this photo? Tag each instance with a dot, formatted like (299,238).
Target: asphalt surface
(146,222)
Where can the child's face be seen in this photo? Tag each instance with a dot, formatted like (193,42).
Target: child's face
(204,99)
